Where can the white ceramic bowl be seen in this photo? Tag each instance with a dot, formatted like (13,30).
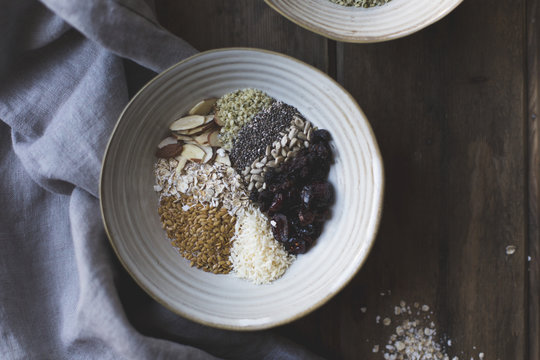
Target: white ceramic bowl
(393,20)
(129,204)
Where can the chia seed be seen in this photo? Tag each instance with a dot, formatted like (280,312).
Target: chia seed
(263,130)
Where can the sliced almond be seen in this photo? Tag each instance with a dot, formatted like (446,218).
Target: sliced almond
(223,159)
(209,154)
(197,130)
(188,122)
(202,138)
(218,121)
(169,151)
(182,161)
(209,118)
(203,107)
(182,137)
(214,154)
(193,152)
(191,142)
(167,141)
(213,138)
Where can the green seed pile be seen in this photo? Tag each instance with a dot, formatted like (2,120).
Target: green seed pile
(236,109)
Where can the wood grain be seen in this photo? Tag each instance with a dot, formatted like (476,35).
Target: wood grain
(533,268)
(455,117)
(447,106)
(211,24)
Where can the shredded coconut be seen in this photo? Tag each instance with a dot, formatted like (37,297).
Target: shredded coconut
(255,254)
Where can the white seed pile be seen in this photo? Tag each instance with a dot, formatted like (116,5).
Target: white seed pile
(255,254)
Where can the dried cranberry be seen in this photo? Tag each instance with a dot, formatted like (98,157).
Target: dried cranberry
(264,199)
(280,227)
(277,203)
(296,246)
(320,151)
(321,135)
(308,240)
(322,215)
(299,247)
(320,172)
(312,230)
(306,217)
(317,194)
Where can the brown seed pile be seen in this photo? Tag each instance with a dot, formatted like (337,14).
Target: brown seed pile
(202,234)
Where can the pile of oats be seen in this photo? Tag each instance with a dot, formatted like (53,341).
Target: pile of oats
(211,185)
(415,336)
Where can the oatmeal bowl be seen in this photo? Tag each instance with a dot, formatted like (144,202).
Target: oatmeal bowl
(242,188)
(364,21)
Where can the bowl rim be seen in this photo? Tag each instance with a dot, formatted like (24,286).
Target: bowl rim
(378,201)
(364,39)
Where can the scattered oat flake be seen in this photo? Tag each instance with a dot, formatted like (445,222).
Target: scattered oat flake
(510,249)
(375,348)
(363,309)
(415,337)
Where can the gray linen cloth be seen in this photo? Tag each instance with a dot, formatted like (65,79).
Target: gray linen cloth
(63,294)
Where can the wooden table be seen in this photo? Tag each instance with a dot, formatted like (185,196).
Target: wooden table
(454,110)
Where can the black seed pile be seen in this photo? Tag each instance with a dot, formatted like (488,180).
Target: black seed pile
(263,130)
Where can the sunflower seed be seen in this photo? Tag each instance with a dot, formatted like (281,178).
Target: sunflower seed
(309,134)
(284,140)
(292,133)
(307,125)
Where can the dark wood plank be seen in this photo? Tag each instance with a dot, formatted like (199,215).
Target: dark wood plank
(211,24)
(447,106)
(533,58)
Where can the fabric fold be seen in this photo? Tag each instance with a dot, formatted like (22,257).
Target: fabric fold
(64,294)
